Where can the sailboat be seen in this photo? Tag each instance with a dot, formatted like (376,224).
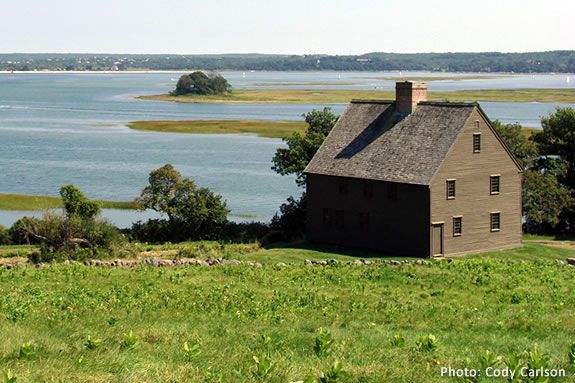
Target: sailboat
(568,80)
(244,74)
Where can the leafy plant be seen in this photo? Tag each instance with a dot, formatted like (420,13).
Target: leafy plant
(130,341)
(334,374)
(427,343)
(191,350)
(572,354)
(397,340)
(536,360)
(27,350)
(263,366)
(324,343)
(7,377)
(514,363)
(92,343)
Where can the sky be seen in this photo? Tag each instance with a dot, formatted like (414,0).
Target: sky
(286,27)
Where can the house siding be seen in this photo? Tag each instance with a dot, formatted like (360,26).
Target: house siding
(396,226)
(473,201)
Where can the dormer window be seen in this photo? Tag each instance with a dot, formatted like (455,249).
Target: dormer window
(476,143)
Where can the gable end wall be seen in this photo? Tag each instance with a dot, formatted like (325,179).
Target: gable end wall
(473,201)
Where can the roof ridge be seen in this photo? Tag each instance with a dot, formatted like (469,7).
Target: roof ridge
(368,101)
(449,103)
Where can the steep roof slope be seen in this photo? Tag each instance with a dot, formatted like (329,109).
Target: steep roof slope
(373,141)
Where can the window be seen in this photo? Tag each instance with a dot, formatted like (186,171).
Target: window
(368,189)
(364,222)
(495,221)
(327,216)
(450,189)
(494,184)
(392,191)
(343,186)
(477,124)
(339,219)
(476,143)
(457,226)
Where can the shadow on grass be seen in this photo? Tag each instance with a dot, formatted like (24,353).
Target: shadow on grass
(336,250)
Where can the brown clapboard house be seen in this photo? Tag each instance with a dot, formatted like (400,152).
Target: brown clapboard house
(414,177)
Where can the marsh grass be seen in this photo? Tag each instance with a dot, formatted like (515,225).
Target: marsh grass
(269,129)
(510,302)
(340,96)
(37,203)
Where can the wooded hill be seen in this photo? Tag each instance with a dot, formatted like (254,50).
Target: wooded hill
(552,61)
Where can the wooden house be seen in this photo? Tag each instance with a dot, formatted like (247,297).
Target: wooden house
(413,177)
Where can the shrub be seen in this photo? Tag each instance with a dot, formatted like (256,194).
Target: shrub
(274,236)
(4,236)
(245,231)
(21,231)
(427,343)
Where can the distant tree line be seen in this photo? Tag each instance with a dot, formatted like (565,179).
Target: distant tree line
(536,62)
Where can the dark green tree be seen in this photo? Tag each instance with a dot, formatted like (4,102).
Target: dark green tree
(77,205)
(293,160)
(545,200)
(202,84)
(558,139)
(519,143)
(193,212)
(556,144)
(302,147)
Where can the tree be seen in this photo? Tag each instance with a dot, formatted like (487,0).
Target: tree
(293,160)
(192,212)
(4,236)
(558,139)
(556,144)
(520,145)
(302,147)
(544,201)
(202,84)
(77,205)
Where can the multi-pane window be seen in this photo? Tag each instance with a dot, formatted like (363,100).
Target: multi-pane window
(343,186)
(339,219)
(476,143)
(457,226)
(494,184)
(368,189)
(450,186)
(364,222)
(495,221)
(327,216)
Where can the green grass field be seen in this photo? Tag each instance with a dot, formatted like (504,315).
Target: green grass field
(33,202)
(71,323)
(270,129)
(338,96)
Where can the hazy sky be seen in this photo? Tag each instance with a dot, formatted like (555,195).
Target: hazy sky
(288,26)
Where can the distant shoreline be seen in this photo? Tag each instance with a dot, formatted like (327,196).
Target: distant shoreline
(152,71)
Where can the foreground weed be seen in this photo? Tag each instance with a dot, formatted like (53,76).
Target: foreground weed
(334,374)
(130,341)
(536,360)
(191,350)
(92,343)
(572,354)
(27,350)
(324,343)
(427,343)
(487,359)
(263,366)
(397,340)
(7,377)
(514,363)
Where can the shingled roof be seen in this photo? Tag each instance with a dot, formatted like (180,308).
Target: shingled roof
(372,140)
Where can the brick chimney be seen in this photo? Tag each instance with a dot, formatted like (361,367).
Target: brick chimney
(408,94)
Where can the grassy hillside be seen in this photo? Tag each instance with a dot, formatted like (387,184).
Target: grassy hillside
(338,96)
(205,324)
(270,129)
